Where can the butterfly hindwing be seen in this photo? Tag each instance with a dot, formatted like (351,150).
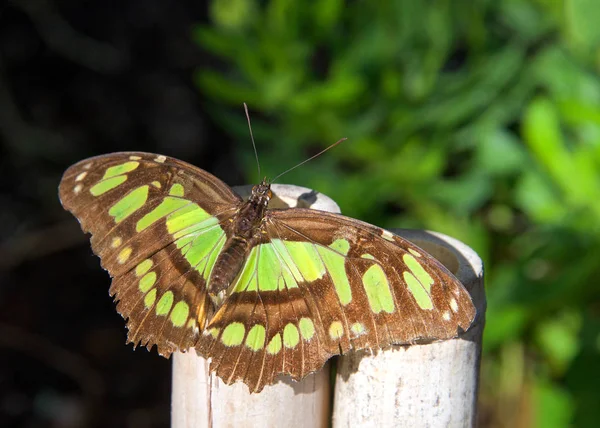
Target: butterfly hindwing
(157,224)
(321,284)
(258,335)
(402,285)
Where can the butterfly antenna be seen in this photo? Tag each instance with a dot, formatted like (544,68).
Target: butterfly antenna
(252,138)
(310,158)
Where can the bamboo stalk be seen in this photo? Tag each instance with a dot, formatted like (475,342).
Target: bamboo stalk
(430,385)
(201,400)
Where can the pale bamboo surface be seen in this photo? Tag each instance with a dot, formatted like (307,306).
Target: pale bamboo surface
(429,385)
(201,400)
(423,385)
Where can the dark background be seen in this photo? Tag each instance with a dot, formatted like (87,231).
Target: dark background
(79,79)
(476,118)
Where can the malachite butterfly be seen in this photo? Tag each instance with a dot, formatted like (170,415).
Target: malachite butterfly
(261,292)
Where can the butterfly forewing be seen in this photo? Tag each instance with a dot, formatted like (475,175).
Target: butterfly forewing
(157,224)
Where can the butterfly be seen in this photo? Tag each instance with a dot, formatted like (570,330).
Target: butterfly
(260,292)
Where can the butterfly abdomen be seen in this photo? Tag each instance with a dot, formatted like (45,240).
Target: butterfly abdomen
(228,265)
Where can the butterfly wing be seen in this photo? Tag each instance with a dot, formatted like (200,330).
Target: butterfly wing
(157,225)
(321,284)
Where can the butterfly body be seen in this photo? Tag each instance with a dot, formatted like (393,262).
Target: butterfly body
(246,233)
(260,292)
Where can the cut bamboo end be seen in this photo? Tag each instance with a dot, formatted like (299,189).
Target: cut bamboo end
(422,385)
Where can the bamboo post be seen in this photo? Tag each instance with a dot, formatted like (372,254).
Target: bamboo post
(422,385)
(430,385)
(201,400)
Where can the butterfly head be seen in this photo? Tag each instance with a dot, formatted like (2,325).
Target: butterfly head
(261,193)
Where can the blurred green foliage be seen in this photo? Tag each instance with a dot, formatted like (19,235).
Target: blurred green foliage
(479,119)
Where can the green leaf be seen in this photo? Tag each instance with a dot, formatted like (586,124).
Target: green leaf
(581,20)
(557,339)
(536,195)
(500,153)
(554,407)
(232,15)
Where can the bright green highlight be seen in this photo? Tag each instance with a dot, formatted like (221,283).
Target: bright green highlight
(336,267)
(418,291)
(167,206)
(267,269)
(150,298)
(378,290)
(147,281)
(291,337)
(307,259)
(189,219)
(180,313)
(367,256)
(129,204)
(106,185)
(307,328)
(274,345)
(176,190)
(164,304)
(357,328)
(272,273)
(341,246)
(214,332)
(233,335)
(417,270)
(336,330)
(286,260)
(281,264)
(201,249)
(120,169)
(143,267)
(256,338)
(196,232)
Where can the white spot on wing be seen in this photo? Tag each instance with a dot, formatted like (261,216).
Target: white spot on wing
(446,315)
(414,253)
(387,235)
(134,157)
(160,159)
(77,189)
(81,176)
(453,305)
